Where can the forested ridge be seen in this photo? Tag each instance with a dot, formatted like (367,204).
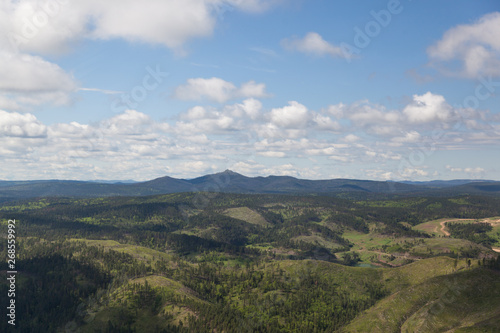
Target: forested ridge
(232,182)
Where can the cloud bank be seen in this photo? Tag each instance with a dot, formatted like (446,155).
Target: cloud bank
(243,136)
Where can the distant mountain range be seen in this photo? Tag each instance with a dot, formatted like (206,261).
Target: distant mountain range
(447,183)
(232,182)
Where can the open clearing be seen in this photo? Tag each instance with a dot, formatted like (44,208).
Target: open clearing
(140,253)
(437,227)
(247,215)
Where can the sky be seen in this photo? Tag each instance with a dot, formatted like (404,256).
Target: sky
(315,89)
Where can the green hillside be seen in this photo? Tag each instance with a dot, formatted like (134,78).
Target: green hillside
(451,303)
(255,263)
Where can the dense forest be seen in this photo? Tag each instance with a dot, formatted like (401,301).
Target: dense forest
(475,232)
(235,262)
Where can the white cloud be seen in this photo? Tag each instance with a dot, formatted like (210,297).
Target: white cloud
(273,132)
(250,107)
(365,114)
(214,89)
(285,145)
(36,26)
(471,171)
(252,89)
(168,23)
(129,122)
(323,151)
(453,169)
(25,73)
(282,170)
(14,124)
(103,91)
(409,137)
(313,44)
(343,159)
(218,90)
(271,154)
(255,6)
(247,167)
(474,170)
(52,26)
(293,116)
(351,138)
(207,125)
(411,173)
(475,46)
(379,174)
(203,120)
(291,170)
(326,123)
(371,153)
(198,167)
(428,107)
(27,80)
(337,111)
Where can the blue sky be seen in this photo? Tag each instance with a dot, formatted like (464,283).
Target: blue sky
(313,89)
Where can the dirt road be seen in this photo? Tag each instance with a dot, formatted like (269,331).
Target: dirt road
(446,233)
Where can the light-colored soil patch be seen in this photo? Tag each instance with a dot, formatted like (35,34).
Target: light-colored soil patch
(444,245)
(180,313)
(438,227)
(283,251)
(139,253)
(366,241)
(247,215)
(164,282)
(494,221)
(316,239)
(443,226)
(157,281)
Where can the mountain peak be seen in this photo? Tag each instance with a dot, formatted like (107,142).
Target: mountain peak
(230,172)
